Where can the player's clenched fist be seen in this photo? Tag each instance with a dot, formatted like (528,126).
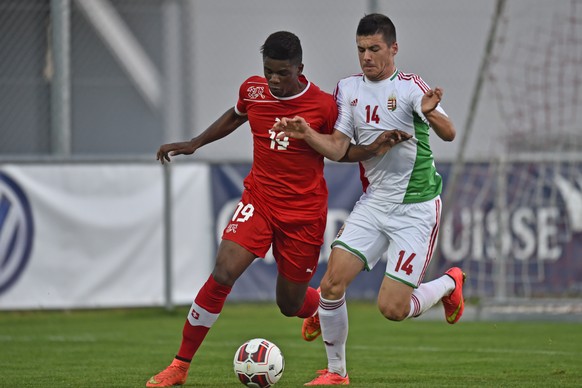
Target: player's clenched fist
(431,99)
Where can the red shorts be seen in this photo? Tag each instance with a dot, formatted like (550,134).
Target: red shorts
(296,243)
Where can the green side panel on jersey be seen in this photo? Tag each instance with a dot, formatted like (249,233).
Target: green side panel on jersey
(425,183)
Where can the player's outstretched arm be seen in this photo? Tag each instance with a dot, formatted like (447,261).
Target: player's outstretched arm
(223,126)
(440,123)
(382,144)
(332,146)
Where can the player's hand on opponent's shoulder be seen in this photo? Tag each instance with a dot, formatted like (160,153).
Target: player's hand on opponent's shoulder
(295,127)
(173,149)
(386,140)
(430,100)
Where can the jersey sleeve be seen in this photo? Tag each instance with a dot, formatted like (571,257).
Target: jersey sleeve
(241,105)
(345,117)
(331,117)
(417,89)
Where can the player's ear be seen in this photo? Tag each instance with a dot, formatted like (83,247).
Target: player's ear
(394,48)
(300,69)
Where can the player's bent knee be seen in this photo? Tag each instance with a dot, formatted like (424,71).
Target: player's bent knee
(332,290)
(224,277)
(288,309)
(393,313)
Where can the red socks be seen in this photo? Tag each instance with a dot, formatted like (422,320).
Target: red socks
(203,313)
(310,304)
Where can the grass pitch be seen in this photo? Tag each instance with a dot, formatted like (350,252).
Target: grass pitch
(123,348)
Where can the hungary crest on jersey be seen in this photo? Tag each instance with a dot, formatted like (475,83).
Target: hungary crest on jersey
(391,103)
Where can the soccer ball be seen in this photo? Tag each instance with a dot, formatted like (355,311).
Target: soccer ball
(258,363)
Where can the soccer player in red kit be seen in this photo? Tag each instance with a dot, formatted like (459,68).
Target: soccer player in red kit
(284,203)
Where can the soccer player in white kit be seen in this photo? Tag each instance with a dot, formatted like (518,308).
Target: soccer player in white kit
(399,213)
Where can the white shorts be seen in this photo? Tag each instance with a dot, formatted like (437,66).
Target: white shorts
(405,233)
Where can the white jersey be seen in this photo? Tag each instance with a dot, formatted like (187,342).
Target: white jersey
(407,173)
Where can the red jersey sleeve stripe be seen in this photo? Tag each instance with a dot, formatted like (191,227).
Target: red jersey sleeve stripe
(414,78)
(421,84)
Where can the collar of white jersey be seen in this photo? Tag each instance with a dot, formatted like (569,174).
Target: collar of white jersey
(295,95)
(370,82)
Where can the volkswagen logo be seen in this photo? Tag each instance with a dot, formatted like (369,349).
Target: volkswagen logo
(16,231)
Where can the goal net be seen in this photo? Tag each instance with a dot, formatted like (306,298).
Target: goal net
(514,196)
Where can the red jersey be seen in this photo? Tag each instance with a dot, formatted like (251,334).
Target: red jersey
(287,174)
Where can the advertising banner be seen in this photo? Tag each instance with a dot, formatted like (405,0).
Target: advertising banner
(92,235)
(516,229)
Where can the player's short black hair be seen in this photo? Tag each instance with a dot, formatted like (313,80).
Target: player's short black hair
(283,45)
(376,23)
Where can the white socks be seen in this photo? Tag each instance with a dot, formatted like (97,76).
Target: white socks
(429,294)
(333,317)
